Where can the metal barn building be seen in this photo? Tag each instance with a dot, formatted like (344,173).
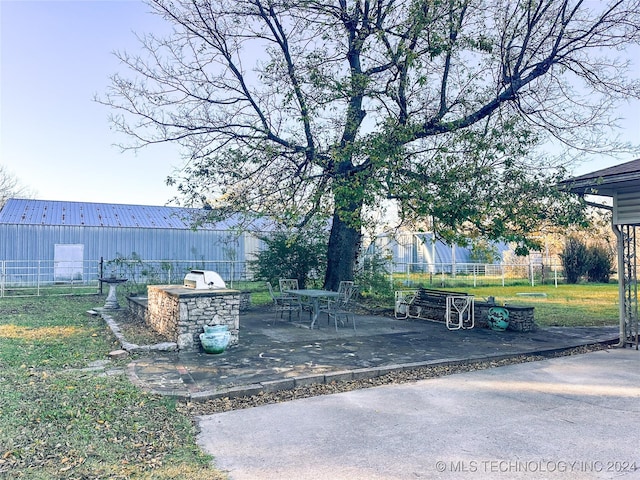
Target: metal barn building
(73,236)
(421,251)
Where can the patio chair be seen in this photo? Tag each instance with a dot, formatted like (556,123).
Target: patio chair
(343,306)
(403,301)
(288,284)
(341,291)
(276,298)
(343,285)
(289,303)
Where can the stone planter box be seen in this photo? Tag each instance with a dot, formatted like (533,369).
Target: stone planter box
(521,319)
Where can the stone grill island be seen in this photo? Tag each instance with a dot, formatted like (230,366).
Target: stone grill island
(181,313)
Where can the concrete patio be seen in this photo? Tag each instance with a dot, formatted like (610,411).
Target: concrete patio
(275,354)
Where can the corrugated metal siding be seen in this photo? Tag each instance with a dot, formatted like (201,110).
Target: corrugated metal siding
(626,209)
(417,250)
(409,248)
(252,246)
(30,229)
(443,253)
(403,248)
(36,242)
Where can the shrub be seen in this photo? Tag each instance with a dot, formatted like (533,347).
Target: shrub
(484,251)
(373,277)
(300,255)
(574,258)
(599,264)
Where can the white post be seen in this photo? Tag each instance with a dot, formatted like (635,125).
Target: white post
(433,253)
(531,273)
(453,261)
(621,285)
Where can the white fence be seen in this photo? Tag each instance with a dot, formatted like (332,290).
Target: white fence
(22,278)
(475,274)
(33,278)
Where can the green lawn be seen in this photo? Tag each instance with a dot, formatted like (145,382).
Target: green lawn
(57,421)
(566,305)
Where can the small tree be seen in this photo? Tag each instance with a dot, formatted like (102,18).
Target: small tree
(599,263)
(297,255)
(11,187)
(574,259)
(484,251)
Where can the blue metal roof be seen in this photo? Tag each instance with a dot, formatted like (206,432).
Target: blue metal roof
(56,213)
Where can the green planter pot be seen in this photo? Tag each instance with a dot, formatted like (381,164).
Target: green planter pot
(498,319)
(215,339)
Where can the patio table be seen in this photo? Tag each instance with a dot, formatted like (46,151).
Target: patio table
(314,295)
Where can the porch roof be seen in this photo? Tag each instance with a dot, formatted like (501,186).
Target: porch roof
(607,181)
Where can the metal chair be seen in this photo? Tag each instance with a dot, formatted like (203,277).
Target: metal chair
(403,301)
(277,300)
(343,306)
(288,284)
(289,303)
(342,286)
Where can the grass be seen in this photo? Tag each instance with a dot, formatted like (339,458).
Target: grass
(566,305)
(59,420)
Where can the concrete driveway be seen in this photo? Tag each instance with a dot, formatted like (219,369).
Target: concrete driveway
(570,417)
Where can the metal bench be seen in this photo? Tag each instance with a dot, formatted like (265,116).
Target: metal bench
(456,309)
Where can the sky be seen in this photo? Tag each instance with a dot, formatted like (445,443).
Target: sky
(55,56)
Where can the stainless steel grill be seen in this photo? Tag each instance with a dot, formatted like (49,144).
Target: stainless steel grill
(203,280)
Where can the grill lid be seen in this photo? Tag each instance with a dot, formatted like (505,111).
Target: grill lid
(203,280)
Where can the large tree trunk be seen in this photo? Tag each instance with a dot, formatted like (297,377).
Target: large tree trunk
(342,253)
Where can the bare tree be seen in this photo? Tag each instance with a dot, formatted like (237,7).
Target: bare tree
(10,187)
(299,108)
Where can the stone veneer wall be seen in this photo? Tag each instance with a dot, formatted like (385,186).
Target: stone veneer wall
(521,319)
(245,301)
(181,313)
(138,307)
